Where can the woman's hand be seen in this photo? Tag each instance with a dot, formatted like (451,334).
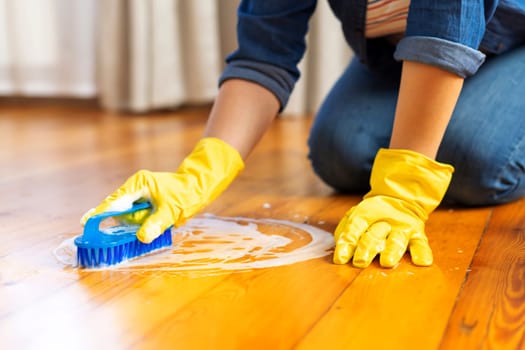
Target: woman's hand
(175,197)
(405,188)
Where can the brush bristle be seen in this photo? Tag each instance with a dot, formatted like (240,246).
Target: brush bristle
(97,257)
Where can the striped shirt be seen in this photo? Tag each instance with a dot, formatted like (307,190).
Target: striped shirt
(385,17)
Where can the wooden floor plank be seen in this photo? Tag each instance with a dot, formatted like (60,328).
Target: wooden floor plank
(113,308)
(56,162)
(406,307)
(490,311)
(271,307)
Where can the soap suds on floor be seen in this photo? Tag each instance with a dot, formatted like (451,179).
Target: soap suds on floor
(213,244)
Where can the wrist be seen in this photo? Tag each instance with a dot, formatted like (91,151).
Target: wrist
(213,154)
(206,172)
(411,177)
(230,153)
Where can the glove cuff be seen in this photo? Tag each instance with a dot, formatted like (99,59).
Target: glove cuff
(205,173)
(411,177)
(222,152)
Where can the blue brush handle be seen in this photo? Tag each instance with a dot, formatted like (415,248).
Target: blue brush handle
(92,226)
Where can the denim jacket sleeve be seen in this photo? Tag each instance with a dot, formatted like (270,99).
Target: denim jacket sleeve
(446,34)
(271,42)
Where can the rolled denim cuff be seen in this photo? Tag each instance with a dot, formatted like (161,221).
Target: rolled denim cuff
(273,78)
(452,56)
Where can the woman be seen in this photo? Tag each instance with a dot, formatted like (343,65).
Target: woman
(434,85)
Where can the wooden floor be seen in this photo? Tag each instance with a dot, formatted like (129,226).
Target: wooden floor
(56,162)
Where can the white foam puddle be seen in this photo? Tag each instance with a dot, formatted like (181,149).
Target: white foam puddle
(214,244)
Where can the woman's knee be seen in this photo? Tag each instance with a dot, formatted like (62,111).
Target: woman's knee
(485,139)
(488,179)
(354,121)
(341,157)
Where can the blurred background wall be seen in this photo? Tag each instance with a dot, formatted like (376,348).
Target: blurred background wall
(143,55)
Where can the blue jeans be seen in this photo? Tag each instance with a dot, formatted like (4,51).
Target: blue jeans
(485,140)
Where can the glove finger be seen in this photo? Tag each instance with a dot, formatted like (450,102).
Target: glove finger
(137,217)
(155,224)
(122,199)
(371,243)
(114,202)
(348,233)
(420,251)
(341,227)
(87,215)
(395,248)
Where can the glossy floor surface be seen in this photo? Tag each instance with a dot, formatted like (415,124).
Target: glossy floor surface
(58,161)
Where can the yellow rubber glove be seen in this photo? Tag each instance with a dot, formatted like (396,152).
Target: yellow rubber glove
(175,197)
(405,188)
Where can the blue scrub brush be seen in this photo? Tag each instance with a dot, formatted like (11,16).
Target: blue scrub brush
(109,246)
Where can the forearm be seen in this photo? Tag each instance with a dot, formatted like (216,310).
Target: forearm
(241,114)
(427,97)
